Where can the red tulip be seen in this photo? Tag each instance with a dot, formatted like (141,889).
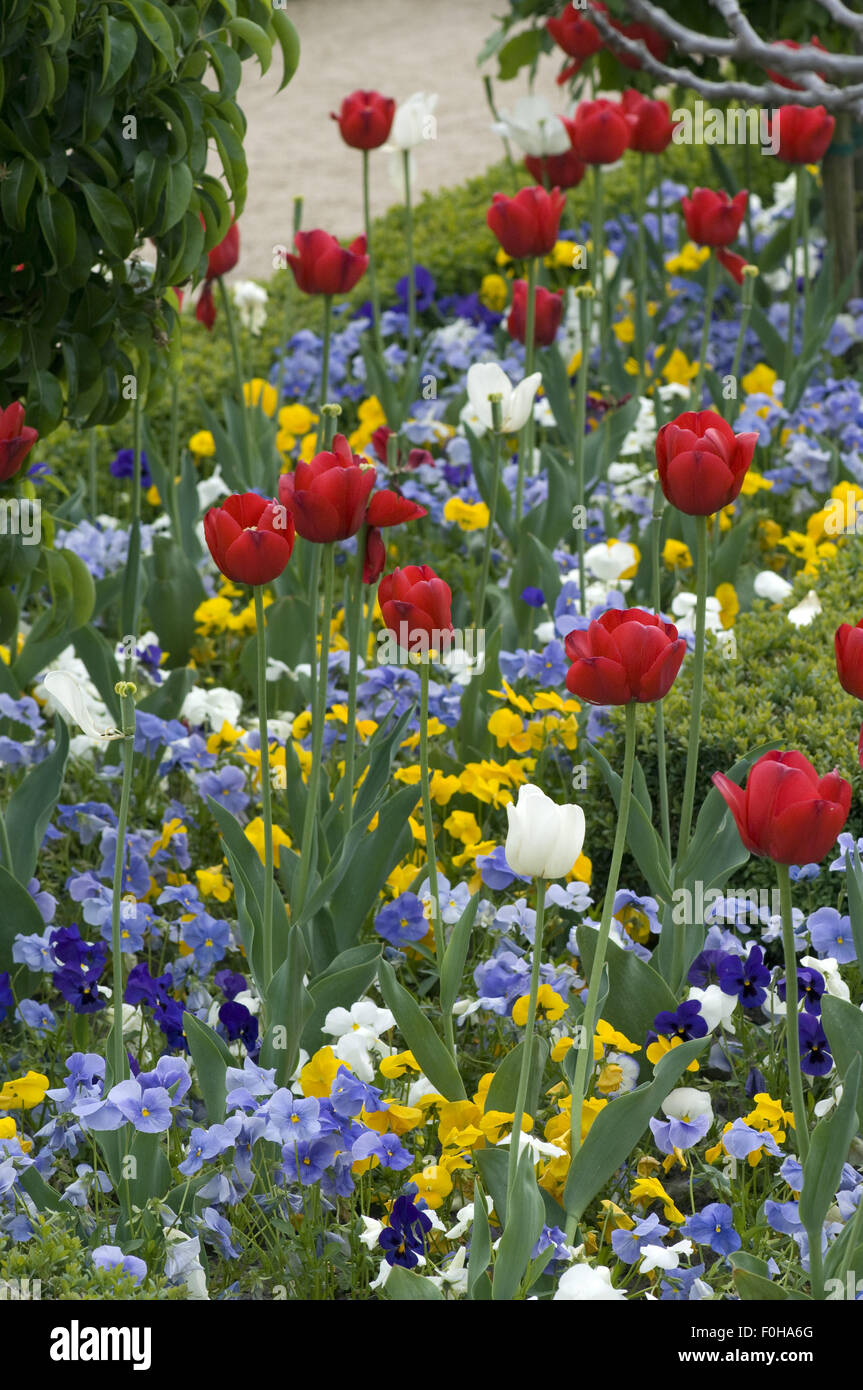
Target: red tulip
(224,257)
(601,131)
(626,655)
(388,508)
(328,496)
(557,170)
(573,32)
(655,43)
(650,125)
(849,658)
(250,538)
(548,312)
(416,604)
(733,263)
(713,219)
(365,119)
(375,556)
(205,309)
(786,812)
(526,225)
(323,266)
(702,462)
(415,459)
(16,439)
(786,81)
(804,133)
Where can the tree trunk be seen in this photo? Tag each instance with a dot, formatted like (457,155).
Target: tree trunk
(840,211)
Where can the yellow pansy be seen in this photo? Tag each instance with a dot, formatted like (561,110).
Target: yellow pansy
(213,884)
(612,1037)
(676,555)
(689,258)
(462,825)
(493,293)
(261,393)
(729,604)
(468,516)
(296,418)
(647,1190)
(433,1183)
(508,729)
(395,1066)
(202,444)
(753,482)
(678,369)
(23,1092)
(548,1002)
(760,381)
(254,831)
(317,1076)
(658,1049)
(169,830)
(624,330)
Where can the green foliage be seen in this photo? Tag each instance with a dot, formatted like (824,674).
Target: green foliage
(106,119)
(63,1266)
(782,686)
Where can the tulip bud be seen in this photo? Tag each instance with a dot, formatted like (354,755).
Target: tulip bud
(544,840)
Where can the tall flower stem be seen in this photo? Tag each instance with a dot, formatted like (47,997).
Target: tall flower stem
(409,244)
(641,287)
(792,283)
(585,294)
(792,1033)
(355,613)
(599,257)
(496,403)
(373,283)
(428,826)
(525,447)
(588,1021)
(527,1043)
(750,273)
(318,718)
(325,369)
(709,295)
(92,469)
(266,789)
(132,579)
(655,541)
(694,725)
(239,379)
(802,196)
(126,691)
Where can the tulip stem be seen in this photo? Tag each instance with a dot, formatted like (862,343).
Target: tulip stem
(238,374)
(527,1045)
(318,718)
(662,774)
(266,790)
(497,421)
(354,638)
(792,1032)
(745,312)
(92,460)
(525,448)
(409,242)
(373,283)
(709,294)
(802,193)
(792,282)
(641,287)
(599,256)
(325,366)
(694,726)
(132,579)
(585,316)
(126,691)
(428,826)
(589,1020)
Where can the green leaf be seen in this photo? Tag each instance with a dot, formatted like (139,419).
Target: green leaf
(252,35)
(15,191)
(420,1036)
(382,848)
(57,220)
(97,654)
(480,1241)
(524,1223)
(504,1084)
(344,981)
(619,1127)
(32,806)
(289,44)
(645,844)
(110,218)
(636,992)
(754,1287)
(289,1006)
(403,1285)
(843,1024)
(518,52)
(211,1058)
(828,1154)
(20,915)
(455,956)
(854,886)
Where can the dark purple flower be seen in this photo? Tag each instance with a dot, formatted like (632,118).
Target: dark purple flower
(816,1059)
(123,466)
(685,1023)
(403,1241)
(810,987)
(747,979)
(704,970)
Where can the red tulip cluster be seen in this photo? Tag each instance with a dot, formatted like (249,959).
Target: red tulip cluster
(220,260)
(786,812)
(626,655)
(557,170)
(323,266)
(702,462)
(16,439)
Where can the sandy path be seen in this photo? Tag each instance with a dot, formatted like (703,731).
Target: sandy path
(397,46)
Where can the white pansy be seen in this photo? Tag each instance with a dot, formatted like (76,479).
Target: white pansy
(829,968)
(686,1103)
(545,632)
(370,1232)
(608,561)
(588,1284)
(664,1256)
(544,840)
(454,1275)
(538,1147)
(183,1263)
(534,126)
(486,379)
(357,1032)
(251,301)
(629,1069)
(466,1218)
(806,611)
(772,586)
(211,489)
(212,708)
(717,1008)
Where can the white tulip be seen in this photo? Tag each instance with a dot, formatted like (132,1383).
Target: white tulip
(544,840)
(772,586)
(587,1284)
(486,379)
(534,126)
(70,700)
(414,121)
